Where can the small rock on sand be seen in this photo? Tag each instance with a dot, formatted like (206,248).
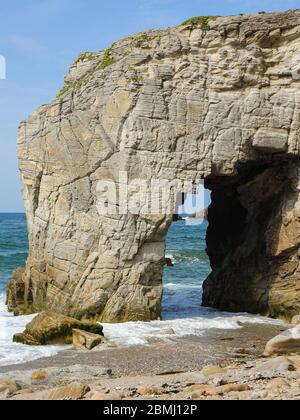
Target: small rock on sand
(8,385)
(213,370)
(83,340)
(286,343)
(38,376)
(74,391)
(296,320)
(213,391)
(274,367)
(144,391)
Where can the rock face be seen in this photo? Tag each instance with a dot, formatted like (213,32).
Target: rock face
(218,101)
(51,328)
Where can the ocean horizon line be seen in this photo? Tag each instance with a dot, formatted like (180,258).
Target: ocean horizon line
(12,212)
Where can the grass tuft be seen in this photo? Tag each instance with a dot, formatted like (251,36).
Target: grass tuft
(107,60)
(202,21)
(86,56)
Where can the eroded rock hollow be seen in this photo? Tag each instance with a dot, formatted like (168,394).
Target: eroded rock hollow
(219,101)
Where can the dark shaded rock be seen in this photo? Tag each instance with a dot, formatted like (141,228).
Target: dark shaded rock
(169,262)
(18,298)
(252,242)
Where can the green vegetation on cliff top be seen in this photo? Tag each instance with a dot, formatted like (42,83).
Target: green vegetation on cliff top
(86,56)
(108,58)
(106,61)
(202,21)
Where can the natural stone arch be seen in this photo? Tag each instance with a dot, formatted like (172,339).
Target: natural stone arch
(221,105)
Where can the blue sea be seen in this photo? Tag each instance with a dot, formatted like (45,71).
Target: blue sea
(186,247)
(13,245)
(13,254)
(182,297)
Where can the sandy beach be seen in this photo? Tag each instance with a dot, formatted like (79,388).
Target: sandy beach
(177,355)
(164,370)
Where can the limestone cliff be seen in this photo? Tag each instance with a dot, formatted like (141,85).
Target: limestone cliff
(216,99)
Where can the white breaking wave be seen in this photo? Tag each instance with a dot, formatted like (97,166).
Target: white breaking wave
(12,353)
(127,334)
(138,333)
(171,257)
(185,258)
(182,286)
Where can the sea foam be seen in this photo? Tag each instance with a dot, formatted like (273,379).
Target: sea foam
(182,311)
(12,353)
(138,333)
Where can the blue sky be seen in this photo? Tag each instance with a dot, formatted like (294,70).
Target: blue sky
(40,39)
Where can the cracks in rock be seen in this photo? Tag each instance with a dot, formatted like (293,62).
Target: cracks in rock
(114,148)
(36,192)
(191,126)
(85,275)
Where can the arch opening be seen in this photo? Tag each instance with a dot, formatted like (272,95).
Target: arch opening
(244,257)
(252,242)
(187,263)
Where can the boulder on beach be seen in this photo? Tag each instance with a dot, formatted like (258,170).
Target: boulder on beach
(296,320)
(286,343)
(51,328)
(83,340)
(8,386)
(275,367)
(72,392)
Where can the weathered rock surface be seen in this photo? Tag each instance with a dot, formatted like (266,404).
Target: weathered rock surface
(274,367)
(8,386)
(15,295)
(286,343)
(219,103)
(38,377)
(51,328)
(296,320)
(74,391)
(83,340)
(213,391)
